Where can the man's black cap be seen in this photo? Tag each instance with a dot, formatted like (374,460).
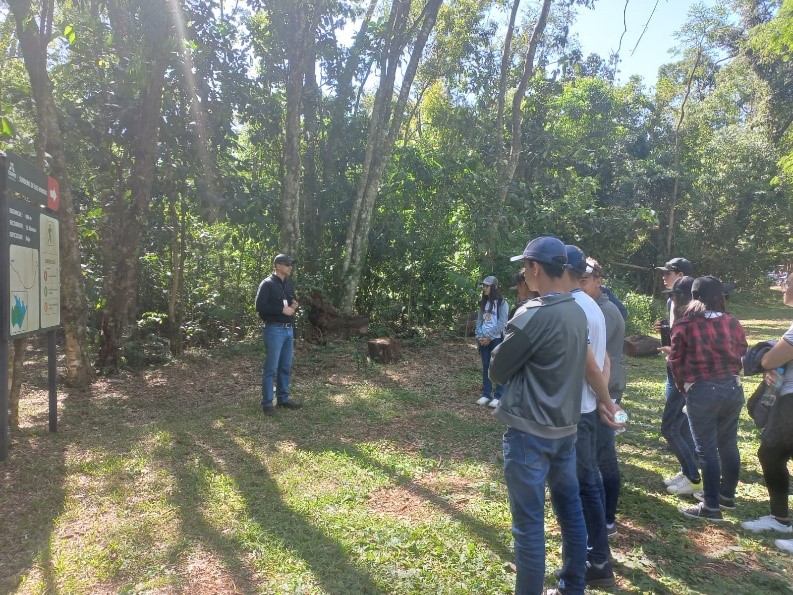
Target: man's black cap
(678,265)
(284,259)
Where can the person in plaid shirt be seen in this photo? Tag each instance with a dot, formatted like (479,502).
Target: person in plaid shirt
(707,346)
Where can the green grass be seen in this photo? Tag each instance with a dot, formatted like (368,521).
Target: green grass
(388,481)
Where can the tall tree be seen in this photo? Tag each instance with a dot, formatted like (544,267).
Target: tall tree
(403,30)
(137,26)
(32,39)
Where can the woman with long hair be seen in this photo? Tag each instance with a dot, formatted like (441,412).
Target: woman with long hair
(707,346)
(490,324)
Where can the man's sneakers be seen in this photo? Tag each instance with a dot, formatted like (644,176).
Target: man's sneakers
(784,544)
(700,511)
(766,523)
(270,409)
(675,480)
(685,487)
(483,400)
(600,576)
(611,530)
(290,405)
(494,403)
(724,502)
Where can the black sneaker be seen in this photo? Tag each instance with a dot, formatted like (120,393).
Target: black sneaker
(269,410)
(700,511)
(599,577)
(611,530)
(291,405)
(725,503)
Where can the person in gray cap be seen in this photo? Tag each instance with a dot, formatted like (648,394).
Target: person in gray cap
(276,305)
(490,324)
(541,360)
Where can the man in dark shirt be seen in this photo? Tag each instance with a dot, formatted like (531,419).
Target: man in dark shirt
(276,305)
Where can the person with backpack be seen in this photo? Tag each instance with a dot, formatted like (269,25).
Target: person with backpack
(776,440)
(490,324)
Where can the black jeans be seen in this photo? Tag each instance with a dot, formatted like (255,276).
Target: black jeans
(774,462)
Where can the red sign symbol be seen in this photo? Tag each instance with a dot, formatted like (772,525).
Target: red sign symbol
(53,194)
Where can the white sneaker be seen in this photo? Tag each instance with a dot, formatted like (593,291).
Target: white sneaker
(676,479)
(483,401)
(685,488)
(494,403)
(766,523)
(784,544)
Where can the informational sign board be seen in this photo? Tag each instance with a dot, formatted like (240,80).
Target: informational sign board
(30,274)
(33,251)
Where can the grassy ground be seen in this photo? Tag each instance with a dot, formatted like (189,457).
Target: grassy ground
(389,481)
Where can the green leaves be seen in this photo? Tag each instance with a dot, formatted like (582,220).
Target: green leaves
(6,129)
(70,34)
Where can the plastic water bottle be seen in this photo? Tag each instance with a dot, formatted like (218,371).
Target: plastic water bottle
(620,417)
(771,391)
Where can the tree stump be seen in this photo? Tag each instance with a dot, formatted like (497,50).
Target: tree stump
(385,351)
(641,345)
(466,324)
(326,322)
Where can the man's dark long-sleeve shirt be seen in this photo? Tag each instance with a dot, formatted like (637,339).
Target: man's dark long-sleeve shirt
(270,299)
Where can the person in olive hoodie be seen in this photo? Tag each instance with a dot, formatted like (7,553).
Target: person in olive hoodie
(541,360)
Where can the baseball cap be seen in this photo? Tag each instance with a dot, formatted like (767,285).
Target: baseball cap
(489,280)
(576,259)
(519,278)
(681,286)
(678,265)
(706,288)
(284,259)
(545,249)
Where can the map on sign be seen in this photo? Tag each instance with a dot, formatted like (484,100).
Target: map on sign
(24,289)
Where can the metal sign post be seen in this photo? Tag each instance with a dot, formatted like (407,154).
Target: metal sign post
(30,298)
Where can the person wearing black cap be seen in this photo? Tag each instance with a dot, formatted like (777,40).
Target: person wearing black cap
(541,360)
(674,422)
(276,305)
(707,347)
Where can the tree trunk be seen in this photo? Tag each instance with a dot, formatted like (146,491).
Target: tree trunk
(383,130)
(73,305)
(128,214)
(177,271)
(303,26)
(509,163)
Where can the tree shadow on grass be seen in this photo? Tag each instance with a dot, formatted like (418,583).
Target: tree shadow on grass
(31,499)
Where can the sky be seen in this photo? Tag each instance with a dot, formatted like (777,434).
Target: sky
(599,32)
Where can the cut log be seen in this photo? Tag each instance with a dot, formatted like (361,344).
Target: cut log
(385,351)
(326,322)
(641,345)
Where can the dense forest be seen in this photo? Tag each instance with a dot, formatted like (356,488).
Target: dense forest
(400,149)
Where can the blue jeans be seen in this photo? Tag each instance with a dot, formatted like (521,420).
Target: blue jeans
(609,471)
(590,488)
(279,342)
(487,386)
(713,412)
(675,428)
(530,461)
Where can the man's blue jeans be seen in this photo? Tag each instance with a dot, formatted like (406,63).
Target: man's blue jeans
(675,428)
(591,487)
(487,386)
(713,412)
(279,342)
(530,461)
